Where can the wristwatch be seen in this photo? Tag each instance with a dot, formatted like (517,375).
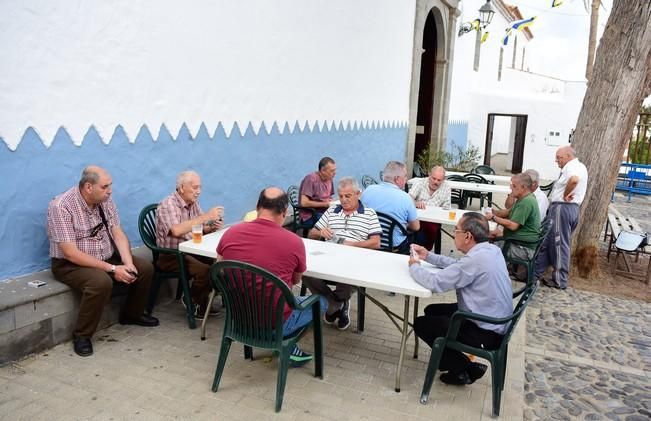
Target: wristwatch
(112,270)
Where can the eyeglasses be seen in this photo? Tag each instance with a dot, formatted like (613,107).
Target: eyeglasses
(456,231)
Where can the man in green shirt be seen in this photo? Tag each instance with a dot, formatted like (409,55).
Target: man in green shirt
(522,221)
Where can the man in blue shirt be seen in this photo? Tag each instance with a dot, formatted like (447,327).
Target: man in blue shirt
(389,197)
(482,285)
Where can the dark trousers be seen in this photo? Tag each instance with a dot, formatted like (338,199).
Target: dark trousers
(429,236)
(435,323)
(198,268)
(335,298)
(555,251)
(96,285)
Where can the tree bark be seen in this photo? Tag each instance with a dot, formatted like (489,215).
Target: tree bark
(620,82)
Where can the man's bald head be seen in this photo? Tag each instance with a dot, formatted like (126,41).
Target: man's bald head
(564,154)
(91,174)
(274,200)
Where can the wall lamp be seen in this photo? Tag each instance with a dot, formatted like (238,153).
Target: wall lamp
(486,13)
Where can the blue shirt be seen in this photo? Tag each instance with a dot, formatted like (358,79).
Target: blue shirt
(388,198)
(480,279)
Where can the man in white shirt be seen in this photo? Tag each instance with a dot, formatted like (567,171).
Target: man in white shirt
(432,191)
(566,197)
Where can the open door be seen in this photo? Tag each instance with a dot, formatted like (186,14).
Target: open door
(505,140)
(426,88)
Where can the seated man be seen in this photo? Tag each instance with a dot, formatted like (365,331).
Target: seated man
(432,191)
(89,251)
(175,216)
(390,198)
(522,221)
(316,190)
(265,243)
(541,198)
(482,285)
(353,225)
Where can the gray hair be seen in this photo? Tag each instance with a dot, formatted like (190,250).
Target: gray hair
(535,177)
(184,177)
(437,168)
(523,179)
(348,181)
(89,175)
(476,224)
(393,169)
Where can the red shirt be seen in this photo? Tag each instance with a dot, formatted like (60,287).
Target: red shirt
(268,245)
(315,189)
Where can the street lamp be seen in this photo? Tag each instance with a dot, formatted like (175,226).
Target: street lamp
(486,13)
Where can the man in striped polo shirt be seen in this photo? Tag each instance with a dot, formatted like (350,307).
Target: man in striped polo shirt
(351,224)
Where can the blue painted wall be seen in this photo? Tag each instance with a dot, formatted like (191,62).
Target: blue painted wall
(234,169)
(457,135)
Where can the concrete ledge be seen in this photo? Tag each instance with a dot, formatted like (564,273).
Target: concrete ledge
(35,319)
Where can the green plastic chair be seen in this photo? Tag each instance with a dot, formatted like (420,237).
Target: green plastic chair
(530,264)
(367,180)
(147,230)
(253,314)
(297,224)
(547,188)
(496,357)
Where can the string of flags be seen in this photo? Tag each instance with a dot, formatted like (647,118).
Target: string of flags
(517,25)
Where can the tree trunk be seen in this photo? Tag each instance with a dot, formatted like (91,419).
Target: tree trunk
(620,82)
(592,40)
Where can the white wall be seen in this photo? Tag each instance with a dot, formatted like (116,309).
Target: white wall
(134,62)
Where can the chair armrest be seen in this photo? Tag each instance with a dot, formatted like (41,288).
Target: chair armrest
(459,316)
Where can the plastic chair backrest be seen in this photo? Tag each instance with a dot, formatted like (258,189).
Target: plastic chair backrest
(255,301)
(526,296)
(292,193)
(389,225)
(147,228)
(367,180)
(482,169)
(475,178)
(418,170)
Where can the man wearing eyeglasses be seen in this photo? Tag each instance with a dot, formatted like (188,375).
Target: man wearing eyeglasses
(482,285)
(89,251)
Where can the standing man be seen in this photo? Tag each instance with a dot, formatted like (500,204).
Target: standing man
(389,197)
(482,285)
(265,243)
(175,216)
(89,251)
(354,225)
(316,190)
(541,198)
(432,191)
(566,198)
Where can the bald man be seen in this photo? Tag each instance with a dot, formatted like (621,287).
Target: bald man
(265,243)
(90,251)
(566,198)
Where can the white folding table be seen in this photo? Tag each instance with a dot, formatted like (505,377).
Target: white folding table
(355,266)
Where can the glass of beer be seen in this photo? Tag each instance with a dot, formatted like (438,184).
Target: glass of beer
(452,215)
(197,233)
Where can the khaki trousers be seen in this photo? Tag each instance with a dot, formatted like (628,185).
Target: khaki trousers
(96,285)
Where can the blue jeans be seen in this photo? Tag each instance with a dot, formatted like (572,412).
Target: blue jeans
(299,318)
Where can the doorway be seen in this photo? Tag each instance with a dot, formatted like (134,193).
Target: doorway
(426,88)
(505,136)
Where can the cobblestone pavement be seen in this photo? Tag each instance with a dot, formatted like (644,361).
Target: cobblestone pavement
(587,356)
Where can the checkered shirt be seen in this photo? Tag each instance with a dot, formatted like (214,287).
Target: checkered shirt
(71,220)
(419,191)
(171,211)
(358,226)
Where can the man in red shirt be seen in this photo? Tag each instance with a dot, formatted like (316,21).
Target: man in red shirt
(317,189)
(265,243)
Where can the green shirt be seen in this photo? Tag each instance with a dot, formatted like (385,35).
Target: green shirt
(525,212)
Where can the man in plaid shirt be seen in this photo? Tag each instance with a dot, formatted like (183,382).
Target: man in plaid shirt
(90,251)
(175,216)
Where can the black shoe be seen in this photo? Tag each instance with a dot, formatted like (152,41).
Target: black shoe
(83,347)
(144,320)
(344,316)
(457,379)
(476,371)
(550,284)
(330,319)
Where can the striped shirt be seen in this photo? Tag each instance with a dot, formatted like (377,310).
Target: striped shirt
(171,211)
(71,220)
(419,191)
(358,226)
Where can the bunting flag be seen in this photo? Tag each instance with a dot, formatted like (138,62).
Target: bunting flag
(475,24)
(556,3)
(519,25)
(484,37)
(505,41)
